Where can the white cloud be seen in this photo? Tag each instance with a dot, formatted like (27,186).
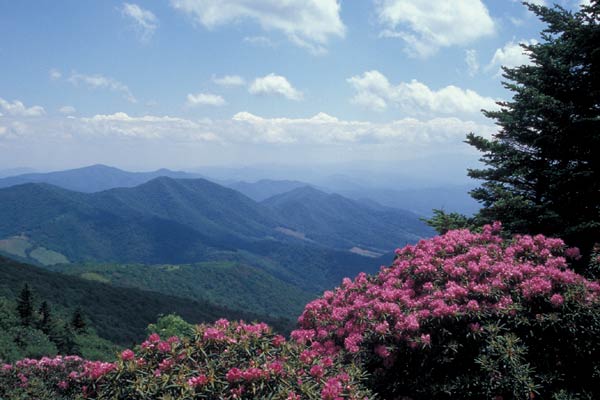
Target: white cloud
(145,21)
(262,41)
(98,81)
(18,109)
(374,91)
(152,127)
(511,55)
(275,84)
(472,63)
(583,3)
(426,26)
(538,2)
(307,23)
(54,74)
(325,129)
(67,110)
(229,80)
(245,129)
(205,99)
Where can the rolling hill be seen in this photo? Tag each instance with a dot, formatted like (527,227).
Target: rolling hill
(339,222)
(276,254)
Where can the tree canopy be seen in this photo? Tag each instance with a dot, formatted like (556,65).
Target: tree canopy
(542,168)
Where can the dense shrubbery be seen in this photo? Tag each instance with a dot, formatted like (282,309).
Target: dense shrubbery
(464,315)
(225,360)
(468,315)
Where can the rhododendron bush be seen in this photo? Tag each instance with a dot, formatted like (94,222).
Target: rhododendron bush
(467,315)
(461,316)
(227,360)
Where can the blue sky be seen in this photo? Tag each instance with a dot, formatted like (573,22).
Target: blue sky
(187,83)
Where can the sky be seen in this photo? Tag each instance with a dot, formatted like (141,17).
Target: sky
(189,83)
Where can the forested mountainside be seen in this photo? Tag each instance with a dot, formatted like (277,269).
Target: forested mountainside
(118,314)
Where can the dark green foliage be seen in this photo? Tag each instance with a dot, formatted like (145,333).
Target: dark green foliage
(442,221)
(171,325)
(45,323)
(236,281)
(49,334)
(543,169)
(64,339)
(77,321)
(120,315)
(25,306)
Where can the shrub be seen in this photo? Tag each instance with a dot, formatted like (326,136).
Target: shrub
(69,377)
(227,360)
(467,315)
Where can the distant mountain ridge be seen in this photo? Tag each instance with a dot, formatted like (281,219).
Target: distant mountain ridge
(93,178)
(339,222)
(129,224)
(265,188)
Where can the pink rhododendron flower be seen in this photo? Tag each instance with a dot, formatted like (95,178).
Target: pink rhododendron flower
(127,355)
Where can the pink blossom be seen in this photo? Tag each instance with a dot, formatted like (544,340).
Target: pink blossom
(556,300)
(127,355)
(196,381)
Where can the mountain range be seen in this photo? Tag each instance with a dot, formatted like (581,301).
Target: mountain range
(267,250)
(385,188)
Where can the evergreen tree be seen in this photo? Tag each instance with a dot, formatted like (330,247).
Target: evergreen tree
(25,306)
(77,321)
(65,342)
(542,170)
(45,324)
(442,221)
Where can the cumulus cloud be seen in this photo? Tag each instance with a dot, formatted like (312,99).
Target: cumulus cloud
(152,127)
(326,129)
(245,129)
(205,99)
(54,74)
(18,109)
(67,110)
(276,85)
(426,26)
(374,91)
(98,81)
(307,23)
(229,80)
(145,21)
(510,56)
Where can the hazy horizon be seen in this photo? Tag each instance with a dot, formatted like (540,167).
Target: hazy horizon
(185,84)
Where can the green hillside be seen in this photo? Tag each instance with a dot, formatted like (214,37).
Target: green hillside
(118,314)
(231,282)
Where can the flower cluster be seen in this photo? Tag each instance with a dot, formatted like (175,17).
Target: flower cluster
(231,360)
(458,273)
(461,290)
(63,376)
